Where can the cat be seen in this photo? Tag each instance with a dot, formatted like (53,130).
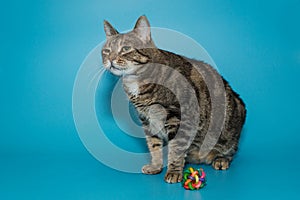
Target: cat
(175,98)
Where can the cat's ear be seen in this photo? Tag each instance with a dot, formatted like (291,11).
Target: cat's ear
(142,28)
(109,29)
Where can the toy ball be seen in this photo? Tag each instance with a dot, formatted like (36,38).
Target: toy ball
(194,179)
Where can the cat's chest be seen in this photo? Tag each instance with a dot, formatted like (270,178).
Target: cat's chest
(132,88)
(131,85)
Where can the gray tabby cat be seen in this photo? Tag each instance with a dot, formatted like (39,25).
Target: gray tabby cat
(169,113)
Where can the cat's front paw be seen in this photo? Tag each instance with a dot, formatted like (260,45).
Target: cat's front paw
(151,169)
(173,176)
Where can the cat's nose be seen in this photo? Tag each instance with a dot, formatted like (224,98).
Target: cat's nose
(112,57)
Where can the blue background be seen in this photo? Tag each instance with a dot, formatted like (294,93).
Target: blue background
(254,43)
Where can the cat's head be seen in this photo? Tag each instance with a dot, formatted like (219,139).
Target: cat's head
(120,53)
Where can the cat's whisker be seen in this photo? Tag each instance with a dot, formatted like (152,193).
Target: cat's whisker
(97,76)
(96,70)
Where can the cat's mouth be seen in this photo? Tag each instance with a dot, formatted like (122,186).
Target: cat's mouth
(121,70)
(115,68)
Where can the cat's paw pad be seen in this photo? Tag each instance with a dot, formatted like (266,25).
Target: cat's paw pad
(221,164)
(173,177)
(151,169)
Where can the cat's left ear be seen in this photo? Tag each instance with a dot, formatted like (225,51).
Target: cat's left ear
(109,29)
(142,29)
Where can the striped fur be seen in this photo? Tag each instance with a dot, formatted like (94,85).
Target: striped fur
(152,79)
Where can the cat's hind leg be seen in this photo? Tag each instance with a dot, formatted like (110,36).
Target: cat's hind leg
(214,158)
(221,163)
(218,160)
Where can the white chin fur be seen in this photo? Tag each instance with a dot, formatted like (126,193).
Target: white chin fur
(116,72)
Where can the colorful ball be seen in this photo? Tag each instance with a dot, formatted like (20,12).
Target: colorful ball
(194,179)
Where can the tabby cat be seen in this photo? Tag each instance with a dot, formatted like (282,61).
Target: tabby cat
(184,104)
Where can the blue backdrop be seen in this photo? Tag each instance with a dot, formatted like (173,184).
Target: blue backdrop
(254,43)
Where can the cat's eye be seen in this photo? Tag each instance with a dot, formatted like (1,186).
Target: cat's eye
(126,48)
(106,51)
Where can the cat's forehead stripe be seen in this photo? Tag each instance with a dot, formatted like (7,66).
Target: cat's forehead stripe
(115,42)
